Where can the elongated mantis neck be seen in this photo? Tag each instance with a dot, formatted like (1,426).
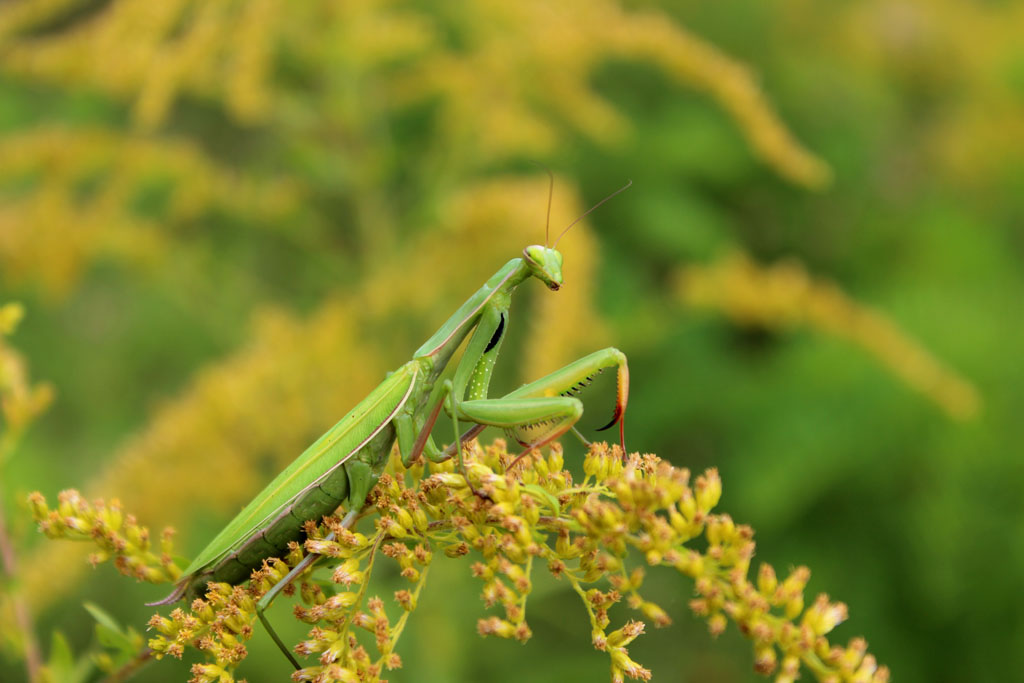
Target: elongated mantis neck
(450,335)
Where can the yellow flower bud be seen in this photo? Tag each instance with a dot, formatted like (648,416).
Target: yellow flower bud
(420,521)
(767,582)
(656,614)
(403,517)
(794,607)
(765,660)
(495,627)
(622,662)
(456,549)
(708,490)
(393,528)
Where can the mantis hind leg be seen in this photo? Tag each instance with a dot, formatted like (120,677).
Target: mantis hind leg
(304,564)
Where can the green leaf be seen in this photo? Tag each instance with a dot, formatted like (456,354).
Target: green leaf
(110,634)
(61,658)
(101,617)
(61,665)
(545,496)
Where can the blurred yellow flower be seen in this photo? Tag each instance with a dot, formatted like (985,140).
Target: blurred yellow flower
(784,296)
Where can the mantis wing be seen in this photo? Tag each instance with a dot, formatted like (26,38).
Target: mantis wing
(325,455)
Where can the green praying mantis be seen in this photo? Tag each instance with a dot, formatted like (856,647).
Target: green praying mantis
(343,465)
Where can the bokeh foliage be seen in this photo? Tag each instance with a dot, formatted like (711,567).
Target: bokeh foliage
(226,220)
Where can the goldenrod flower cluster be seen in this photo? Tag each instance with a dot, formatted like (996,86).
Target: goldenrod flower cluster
(20,400)
(118,537)
(218,625)
(339,619)
(914,39)
(93,179)
(507,518)
(155,52)
(543,56)
(318,73)
(783,296)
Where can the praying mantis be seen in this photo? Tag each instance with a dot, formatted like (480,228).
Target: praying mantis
(343,465)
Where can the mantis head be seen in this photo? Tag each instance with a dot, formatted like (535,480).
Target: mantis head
(545,264)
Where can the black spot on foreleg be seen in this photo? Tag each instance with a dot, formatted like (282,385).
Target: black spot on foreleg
(496,337)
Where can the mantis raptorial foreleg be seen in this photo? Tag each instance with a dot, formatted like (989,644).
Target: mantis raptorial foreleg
(545,409)
(534,414)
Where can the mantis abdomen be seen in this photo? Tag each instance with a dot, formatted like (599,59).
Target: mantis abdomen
(349,459)
(316,502)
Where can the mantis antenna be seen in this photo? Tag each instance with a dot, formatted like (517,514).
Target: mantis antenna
(587,212)
(551,193)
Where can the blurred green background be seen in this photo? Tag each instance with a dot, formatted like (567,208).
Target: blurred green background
(227,220)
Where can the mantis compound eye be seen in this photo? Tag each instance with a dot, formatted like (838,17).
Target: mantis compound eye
(533,255)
